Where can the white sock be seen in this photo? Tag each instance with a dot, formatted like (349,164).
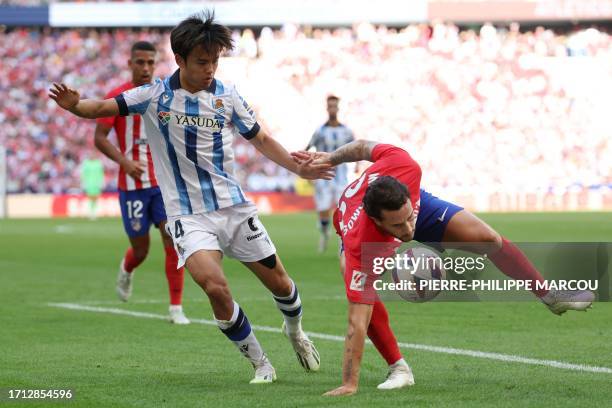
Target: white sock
(291,307)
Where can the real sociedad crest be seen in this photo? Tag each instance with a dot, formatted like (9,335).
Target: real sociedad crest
(219,106)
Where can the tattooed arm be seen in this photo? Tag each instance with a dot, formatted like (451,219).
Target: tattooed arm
(359,320)
(351,152)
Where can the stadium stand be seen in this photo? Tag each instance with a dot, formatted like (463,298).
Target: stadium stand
(479,108)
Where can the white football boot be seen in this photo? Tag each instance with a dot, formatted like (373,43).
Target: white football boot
(399,376)
(560,301)
(124,283)
(305,350)
(264,372)
(176,315)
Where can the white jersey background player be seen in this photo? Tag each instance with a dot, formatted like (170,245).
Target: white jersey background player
(328,138)
(191,119)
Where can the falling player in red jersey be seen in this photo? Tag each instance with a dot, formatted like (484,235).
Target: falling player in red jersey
(385,205)
(139,196)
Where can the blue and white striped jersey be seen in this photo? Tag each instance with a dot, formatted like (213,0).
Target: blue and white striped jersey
(190,136)
(329,138)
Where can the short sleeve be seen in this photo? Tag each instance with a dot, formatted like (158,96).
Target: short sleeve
(243,116)
(389,152)
(136,100)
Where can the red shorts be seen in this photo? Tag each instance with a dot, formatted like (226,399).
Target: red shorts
(360,286)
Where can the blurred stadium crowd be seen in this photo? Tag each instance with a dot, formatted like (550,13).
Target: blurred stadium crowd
(488,108)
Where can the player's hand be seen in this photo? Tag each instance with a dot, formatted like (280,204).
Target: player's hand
(65,97)
(133,168)
(319,158)
(308,170)
(342,390)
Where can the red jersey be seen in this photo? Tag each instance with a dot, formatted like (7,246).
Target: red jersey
(356,228)
(132,140)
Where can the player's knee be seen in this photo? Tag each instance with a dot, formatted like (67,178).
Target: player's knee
(141,253)
(216,291)
(491,238)
(283,286)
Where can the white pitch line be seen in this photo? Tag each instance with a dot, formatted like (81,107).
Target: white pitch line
(509,358)
(203,299)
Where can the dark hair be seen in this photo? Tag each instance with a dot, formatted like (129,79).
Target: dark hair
(333,98)
(143,46)
(385,193)
(200,30)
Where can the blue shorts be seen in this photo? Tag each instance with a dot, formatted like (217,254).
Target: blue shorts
(140,208)
(433,218)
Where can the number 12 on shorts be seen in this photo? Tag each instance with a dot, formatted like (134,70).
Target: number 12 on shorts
(134,208)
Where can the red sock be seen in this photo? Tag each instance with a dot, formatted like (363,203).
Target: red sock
(174,276)
(513,263)
(381,334)
(130,261)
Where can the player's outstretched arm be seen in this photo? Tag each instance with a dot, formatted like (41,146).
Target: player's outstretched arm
(278,154)
(350,152)
(70,100)
(359,319)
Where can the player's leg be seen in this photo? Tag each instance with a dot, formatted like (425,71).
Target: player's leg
(174,274)
(442,221)
(271,272)
(324,225)
(175,278)
(205,269)
(510,260)
(323,204)
(136,223)
(197,244)
(251,245)
(380,333)
(92,202)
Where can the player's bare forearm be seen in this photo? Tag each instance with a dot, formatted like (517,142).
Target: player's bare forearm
(95,108)
(70,99)
(279,155)
(353,152)
(359,319)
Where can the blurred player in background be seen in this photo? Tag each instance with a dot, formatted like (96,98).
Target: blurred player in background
(92,181)
(387,205)
(191,119)
(139,196)
(328,138)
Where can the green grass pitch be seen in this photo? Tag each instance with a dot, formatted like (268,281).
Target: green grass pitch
(112,360)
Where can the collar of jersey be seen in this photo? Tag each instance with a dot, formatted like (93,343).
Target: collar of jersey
(175,83)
